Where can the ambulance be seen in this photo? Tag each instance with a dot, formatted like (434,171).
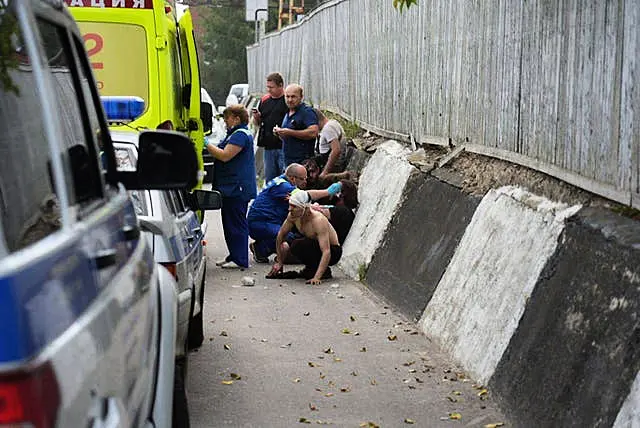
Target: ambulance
(143,55)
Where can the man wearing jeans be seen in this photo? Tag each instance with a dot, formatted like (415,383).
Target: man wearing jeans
(270,113)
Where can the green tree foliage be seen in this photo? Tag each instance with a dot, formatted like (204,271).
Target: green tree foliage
(400,4)
(223,58)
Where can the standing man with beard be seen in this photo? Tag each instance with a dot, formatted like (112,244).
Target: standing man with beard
(299,127)
(269,114)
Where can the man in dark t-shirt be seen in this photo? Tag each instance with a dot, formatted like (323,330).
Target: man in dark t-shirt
(270,112)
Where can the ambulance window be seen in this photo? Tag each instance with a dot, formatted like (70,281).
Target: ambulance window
(29,209)
(105,43)
(177,72)
(76,145)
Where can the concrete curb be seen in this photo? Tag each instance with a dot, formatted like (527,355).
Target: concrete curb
(538,300)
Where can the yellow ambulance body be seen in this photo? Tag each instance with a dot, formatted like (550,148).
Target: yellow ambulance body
(141,48)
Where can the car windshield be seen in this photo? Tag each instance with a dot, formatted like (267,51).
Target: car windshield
(104,42)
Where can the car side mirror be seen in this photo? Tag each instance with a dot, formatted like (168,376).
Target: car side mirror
(166,160)
(206,115)
(206,200)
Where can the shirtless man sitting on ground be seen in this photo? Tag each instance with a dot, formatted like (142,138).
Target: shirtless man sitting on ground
(317,250)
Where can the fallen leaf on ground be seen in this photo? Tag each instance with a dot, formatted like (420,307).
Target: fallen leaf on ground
(455,416)
(409,421)
(482,392)
(285,346)
(296,380)
(354,373)
(457,393)
(392,337)
(306,314)
(227,346)
(304,421)
(311,364)
(453,400)
(373,382)
(345,389)
(337,359)
(223,333)
(369,425)
(363,349)
(235,376)
(227,382)
(497,424)
(329,394)
(312,407)
(328,351)
(346,331)
(352,318)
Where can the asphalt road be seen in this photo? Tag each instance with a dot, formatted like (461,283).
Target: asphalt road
(285,354)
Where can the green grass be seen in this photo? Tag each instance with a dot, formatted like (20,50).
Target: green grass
(351,128)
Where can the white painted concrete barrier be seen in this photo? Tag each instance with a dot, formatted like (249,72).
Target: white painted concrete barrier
(483,293)
(380,190)
(629,415)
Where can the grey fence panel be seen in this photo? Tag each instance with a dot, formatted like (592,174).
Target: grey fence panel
(548,84)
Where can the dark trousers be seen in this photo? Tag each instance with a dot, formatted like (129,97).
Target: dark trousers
(265,235)
(236,230)
(308,252)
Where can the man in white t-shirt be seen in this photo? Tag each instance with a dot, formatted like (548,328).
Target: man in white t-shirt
(332,146)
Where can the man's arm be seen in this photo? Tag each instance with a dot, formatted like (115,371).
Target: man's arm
(334,155)
(305,134)
(332,190)
(322,233)
(282,234)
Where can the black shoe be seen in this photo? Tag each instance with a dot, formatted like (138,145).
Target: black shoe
(256,257)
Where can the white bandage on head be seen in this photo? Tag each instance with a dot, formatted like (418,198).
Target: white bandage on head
(300,198)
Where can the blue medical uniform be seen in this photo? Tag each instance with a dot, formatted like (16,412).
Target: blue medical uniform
(267,213)
(236,181)
(294,149)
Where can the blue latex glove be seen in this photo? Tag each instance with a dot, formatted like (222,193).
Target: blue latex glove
(334,189)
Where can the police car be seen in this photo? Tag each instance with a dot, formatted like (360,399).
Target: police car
(87,317)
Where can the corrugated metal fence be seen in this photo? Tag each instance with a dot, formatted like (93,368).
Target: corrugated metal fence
(549,84)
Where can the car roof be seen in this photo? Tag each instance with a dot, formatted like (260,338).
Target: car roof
(129,137)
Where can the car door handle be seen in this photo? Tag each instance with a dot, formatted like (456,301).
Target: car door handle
(190,238)
(105,258)
(131,233)
(196,229)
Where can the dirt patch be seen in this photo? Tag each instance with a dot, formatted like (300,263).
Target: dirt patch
(477,174)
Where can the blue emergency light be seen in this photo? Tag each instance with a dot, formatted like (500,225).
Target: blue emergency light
(122,108)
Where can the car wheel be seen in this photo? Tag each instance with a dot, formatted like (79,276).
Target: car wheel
(180,416)
(196,324)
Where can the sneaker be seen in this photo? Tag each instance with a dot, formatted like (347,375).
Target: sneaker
(221,261)
(256,257)
(230,265)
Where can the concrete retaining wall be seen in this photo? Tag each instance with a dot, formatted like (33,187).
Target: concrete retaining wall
(536,299)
